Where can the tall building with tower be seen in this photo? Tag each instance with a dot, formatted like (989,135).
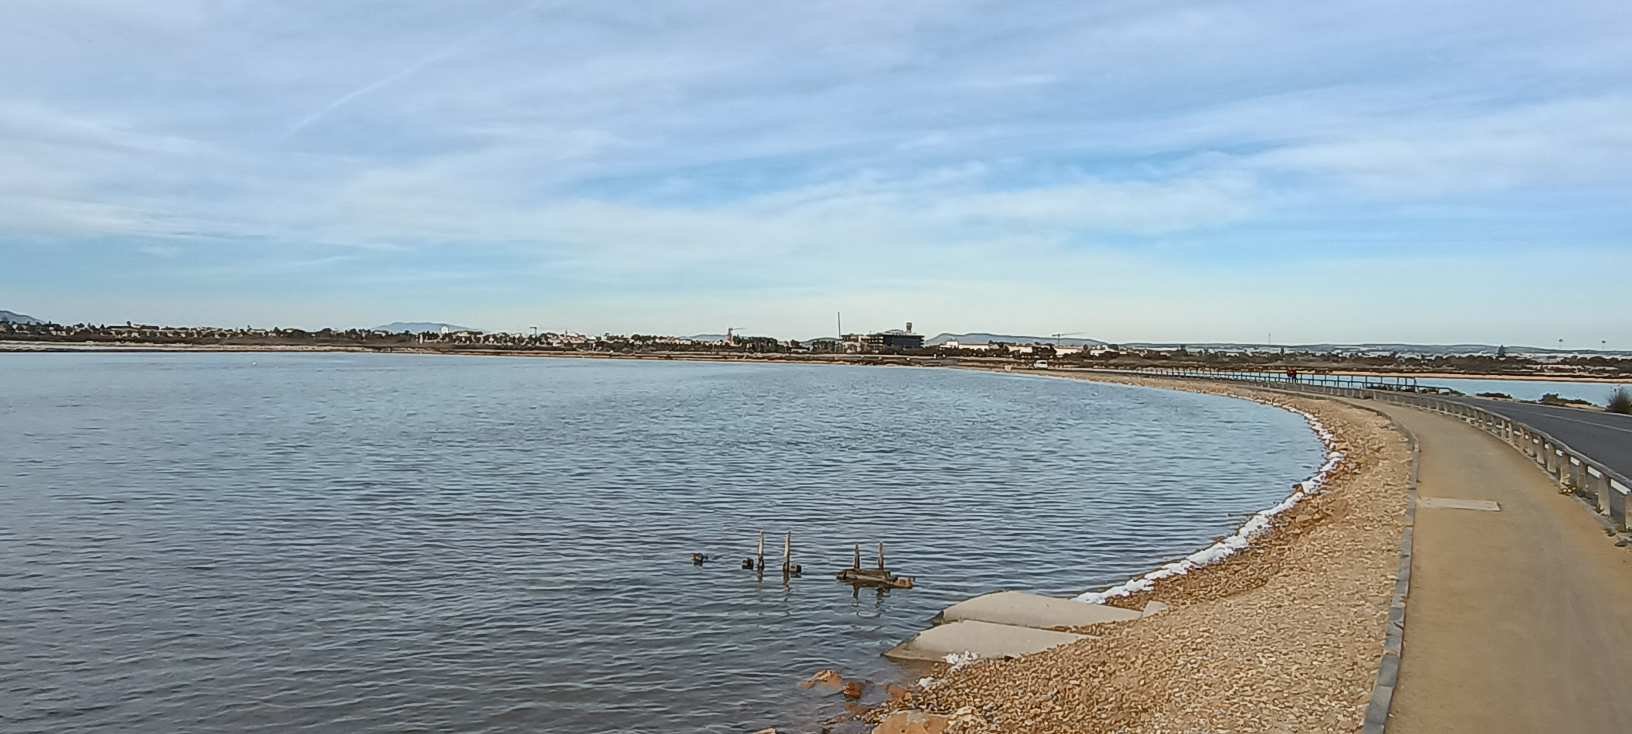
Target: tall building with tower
(892,340)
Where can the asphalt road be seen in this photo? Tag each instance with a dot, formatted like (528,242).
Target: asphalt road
(1606,437)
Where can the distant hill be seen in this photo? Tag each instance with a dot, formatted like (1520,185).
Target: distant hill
(983,338)
(417,327)
(12,317)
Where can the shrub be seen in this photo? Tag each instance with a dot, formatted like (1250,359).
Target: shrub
(1554,398)
(1620,401)
(1498,395)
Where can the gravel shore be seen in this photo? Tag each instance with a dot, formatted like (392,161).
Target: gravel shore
(1282,637)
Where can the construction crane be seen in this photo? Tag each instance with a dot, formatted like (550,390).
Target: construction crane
(1057,335)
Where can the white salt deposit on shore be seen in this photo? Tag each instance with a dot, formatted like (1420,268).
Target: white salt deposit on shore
(1243,536)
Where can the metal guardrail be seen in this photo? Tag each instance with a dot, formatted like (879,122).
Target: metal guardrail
(1604,489)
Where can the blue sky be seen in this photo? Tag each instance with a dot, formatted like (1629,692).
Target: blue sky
(1132,170)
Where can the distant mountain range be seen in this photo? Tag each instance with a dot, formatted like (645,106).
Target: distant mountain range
(12,317)
(984,338)
(419,327)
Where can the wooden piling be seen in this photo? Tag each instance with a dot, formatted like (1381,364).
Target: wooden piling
(880,576)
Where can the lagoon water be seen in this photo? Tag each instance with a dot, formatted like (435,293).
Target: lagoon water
(1597,393)
(385,543)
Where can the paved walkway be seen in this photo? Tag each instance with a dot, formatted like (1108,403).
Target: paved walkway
(1518,620)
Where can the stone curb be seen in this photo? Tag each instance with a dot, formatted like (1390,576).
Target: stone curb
(1388,669)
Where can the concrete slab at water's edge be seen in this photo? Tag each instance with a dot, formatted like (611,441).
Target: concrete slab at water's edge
(1031,610)
(984,639)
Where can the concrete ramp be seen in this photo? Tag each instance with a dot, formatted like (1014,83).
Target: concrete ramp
(985,639)
(1021,609)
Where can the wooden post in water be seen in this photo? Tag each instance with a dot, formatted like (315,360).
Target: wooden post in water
(759,556)
(787,554)
(857,563)
(881,555)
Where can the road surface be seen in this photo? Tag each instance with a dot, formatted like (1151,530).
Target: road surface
(1606,437)
(1518,620)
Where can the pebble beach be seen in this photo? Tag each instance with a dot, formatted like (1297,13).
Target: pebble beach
(1283,636)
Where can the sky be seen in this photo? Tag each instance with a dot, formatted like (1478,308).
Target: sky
(1154,171)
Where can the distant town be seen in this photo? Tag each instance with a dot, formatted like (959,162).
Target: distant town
(901,346)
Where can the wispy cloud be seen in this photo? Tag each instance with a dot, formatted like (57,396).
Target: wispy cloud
(412,68)
(677,154)
(164,251)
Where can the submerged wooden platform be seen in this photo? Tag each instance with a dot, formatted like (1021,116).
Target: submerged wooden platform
(880,576)
(874,577)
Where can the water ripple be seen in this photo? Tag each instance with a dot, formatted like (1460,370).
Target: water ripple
(370,543)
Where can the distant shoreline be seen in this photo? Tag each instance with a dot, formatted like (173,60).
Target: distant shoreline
(855,359)
(32,347)
(1488,376)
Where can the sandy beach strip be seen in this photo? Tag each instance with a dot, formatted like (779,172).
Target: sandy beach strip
(1284,636)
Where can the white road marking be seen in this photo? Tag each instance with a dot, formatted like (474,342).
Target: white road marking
(1594,424)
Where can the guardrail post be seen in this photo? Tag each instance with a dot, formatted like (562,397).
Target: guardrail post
(1549,459)
(1602,489)
(1578,475)
(1617,507)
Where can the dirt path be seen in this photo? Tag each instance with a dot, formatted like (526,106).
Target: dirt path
(1519,620)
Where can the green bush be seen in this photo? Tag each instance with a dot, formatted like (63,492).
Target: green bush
(1620,401)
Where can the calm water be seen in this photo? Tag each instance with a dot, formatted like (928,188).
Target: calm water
(1596,392)
(377,543)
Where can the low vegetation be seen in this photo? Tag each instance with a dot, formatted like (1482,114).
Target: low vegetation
(1497,395)
(1554,398)
(1620,401)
